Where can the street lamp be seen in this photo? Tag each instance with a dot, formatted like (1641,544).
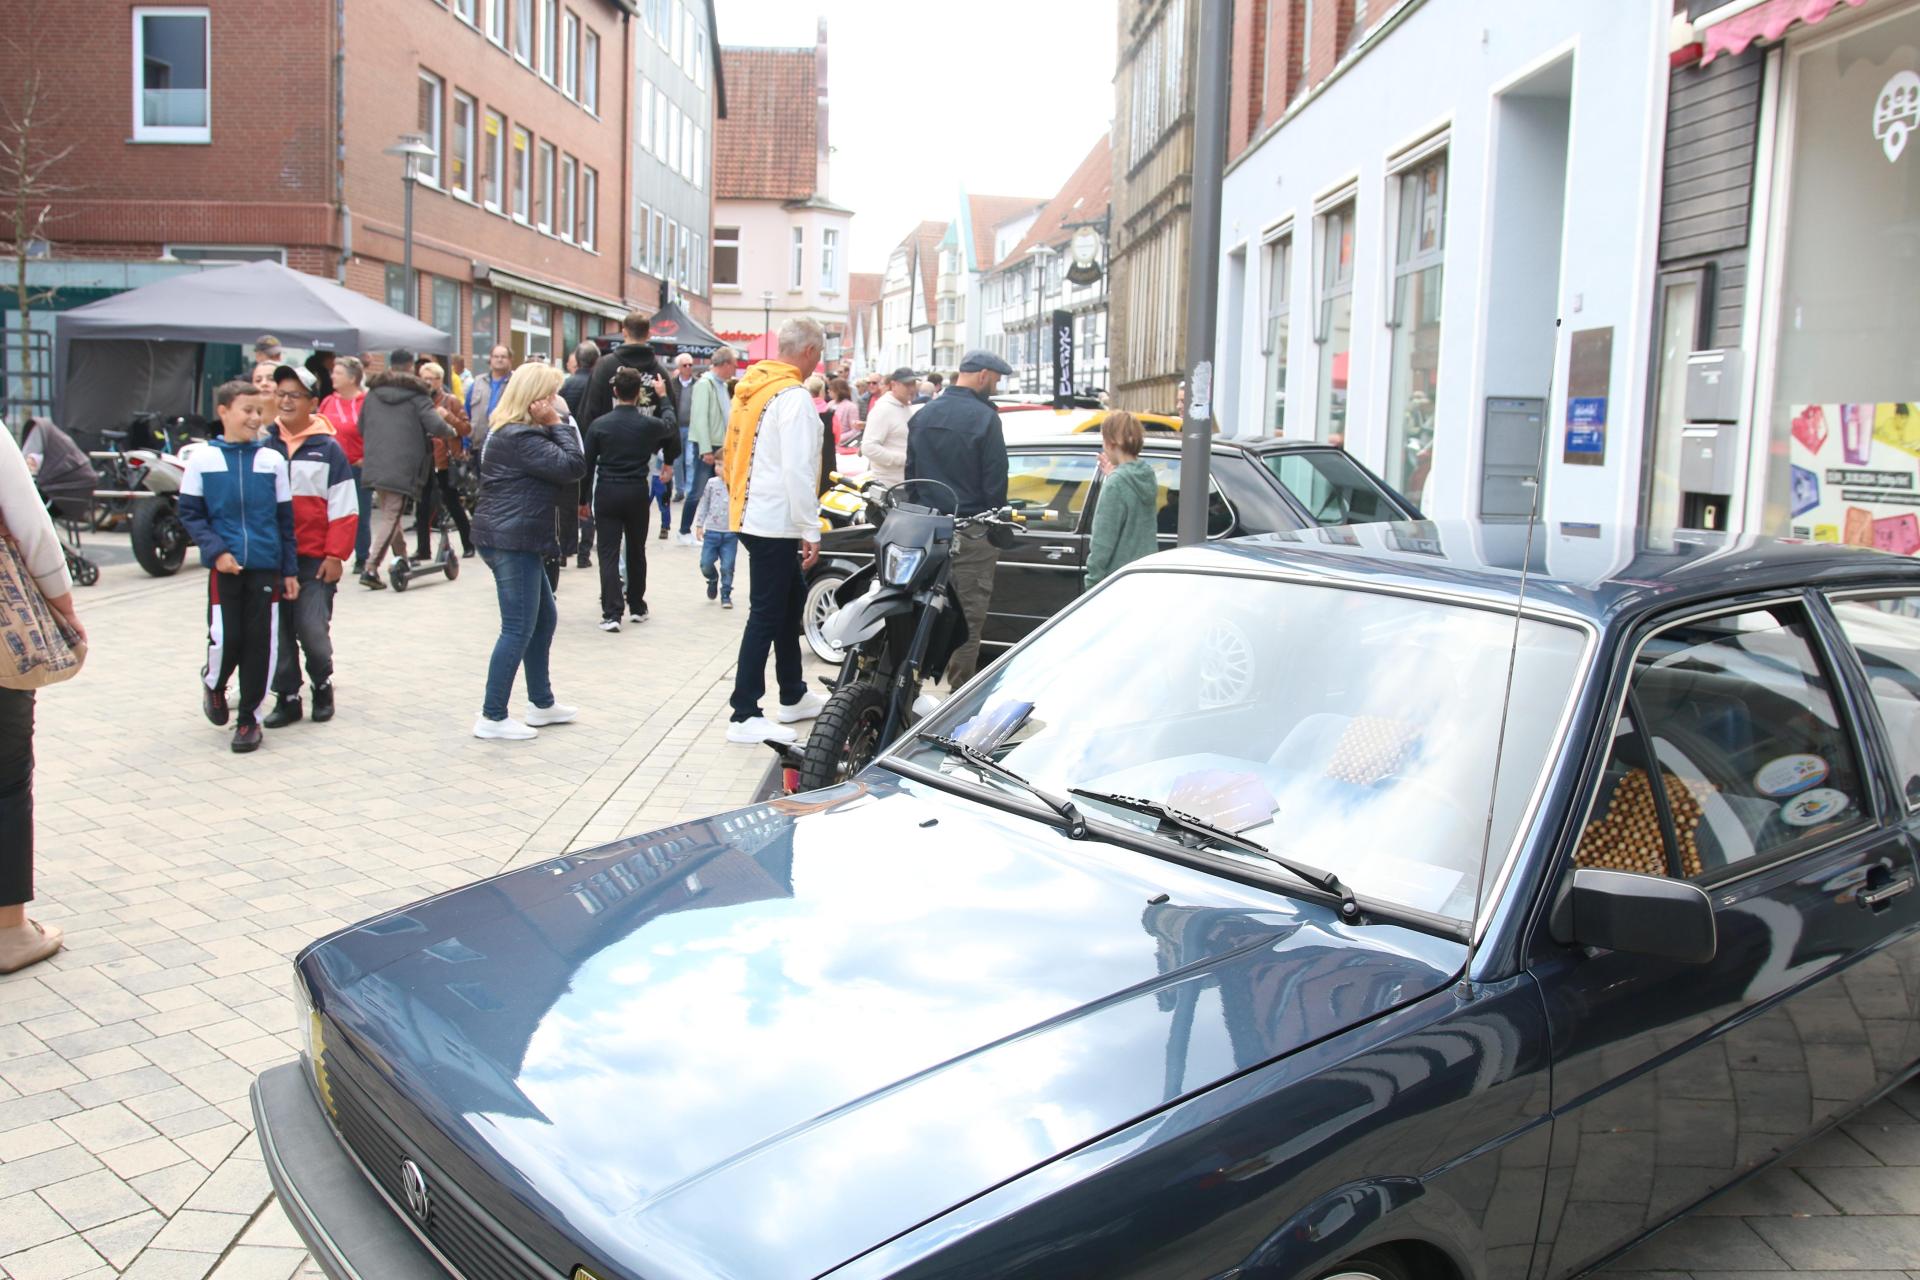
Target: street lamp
(766,322)
(1038,256)
(412,147)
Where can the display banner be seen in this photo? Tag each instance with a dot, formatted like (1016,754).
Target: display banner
(1856,475)
(1063,359)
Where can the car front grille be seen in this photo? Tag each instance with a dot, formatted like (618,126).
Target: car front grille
(454,1226)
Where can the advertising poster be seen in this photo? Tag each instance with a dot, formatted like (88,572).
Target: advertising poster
(1589,370)
(1856,474)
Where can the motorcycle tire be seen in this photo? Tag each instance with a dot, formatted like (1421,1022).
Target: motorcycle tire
(160,540)
(845,737)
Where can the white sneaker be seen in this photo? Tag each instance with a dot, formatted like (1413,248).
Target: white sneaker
(809,706)
(558,713)
(683,539)
(509,730)
(609,624)
(758,730)
(638,617)
(926,704)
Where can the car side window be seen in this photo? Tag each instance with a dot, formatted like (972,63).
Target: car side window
(1166,474)
(1885,632)
(1331,486)
(1050,489)
(1754,761)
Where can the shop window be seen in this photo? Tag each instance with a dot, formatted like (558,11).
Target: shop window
(1334,330)
(1886,635)
(431,90)
(172,58)
(484,332)
(1275,336)
(396,287)
(1845,383)
(446,309)
(726,257)
(532,331)
(569,331)
(1420,246)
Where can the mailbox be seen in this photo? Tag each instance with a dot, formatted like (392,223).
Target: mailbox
(1713,385)
(1512,456)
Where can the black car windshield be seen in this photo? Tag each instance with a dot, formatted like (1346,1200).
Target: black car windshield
(1349,729)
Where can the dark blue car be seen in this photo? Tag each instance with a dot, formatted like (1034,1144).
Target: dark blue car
(1332,903)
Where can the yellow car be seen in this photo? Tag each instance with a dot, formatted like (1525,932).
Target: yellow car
(1033,421)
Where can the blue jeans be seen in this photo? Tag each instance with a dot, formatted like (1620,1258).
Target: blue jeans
(683,467)
(722,547)
(363,532)
(527,620)
(662,493)
(702,472)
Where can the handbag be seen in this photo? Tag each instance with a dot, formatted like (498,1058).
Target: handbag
(37,647)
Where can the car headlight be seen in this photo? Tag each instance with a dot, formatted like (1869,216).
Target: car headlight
(307,1018)
(901,564)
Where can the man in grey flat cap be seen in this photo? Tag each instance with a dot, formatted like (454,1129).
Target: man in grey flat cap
(956,440)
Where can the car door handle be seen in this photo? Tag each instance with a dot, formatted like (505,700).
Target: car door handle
(1056,552)
(1878,897)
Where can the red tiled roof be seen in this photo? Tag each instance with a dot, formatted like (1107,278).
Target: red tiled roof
(1085,197)
(863,288)
(926,238)
(988,212)
(768,146)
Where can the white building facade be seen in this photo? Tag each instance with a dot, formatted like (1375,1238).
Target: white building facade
(1399,243)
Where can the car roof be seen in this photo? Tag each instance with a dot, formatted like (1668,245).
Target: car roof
(1155,442)
(1587,572)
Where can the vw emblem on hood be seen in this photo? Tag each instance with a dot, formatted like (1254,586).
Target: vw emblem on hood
(419,1199)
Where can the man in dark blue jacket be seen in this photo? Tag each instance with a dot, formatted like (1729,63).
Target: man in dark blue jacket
(237,502)
(956,440)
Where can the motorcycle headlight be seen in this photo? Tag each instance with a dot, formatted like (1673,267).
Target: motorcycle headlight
(901,564)
(308,1020)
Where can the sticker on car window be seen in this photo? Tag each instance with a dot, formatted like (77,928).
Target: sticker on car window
(1790,775)
(1233,801)
(992,727)
(1813,808)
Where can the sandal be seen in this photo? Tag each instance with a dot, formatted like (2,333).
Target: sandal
(27,944)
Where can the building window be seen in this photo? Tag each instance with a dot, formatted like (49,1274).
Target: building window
(700,56)
(589,207)
(492,161)
(570,55)
(686,147)
(699,267)
(396,282)
(483,334)
(662,24)
(675,121)
(726,257)
(462,157)
(522,185)
(829,260)
(549,38)
(430,99)
(797,277)
(590,72)
(172,54)
(543,190)
(563,221)
(686,257)
(1157,100)
(1420,246)
(1334,332)
(523,31)
(464,10)
(497,21)
(642,223)
(662,127)
(532,327)
(699,158)
(657,262)
(1275,336)
(446,309)
(644,134)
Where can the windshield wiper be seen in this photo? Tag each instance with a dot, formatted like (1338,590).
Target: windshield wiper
(1179,823)
(1066,809)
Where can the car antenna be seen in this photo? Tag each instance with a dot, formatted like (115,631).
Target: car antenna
(1533,484)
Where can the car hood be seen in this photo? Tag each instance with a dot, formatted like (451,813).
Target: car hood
(848,1011)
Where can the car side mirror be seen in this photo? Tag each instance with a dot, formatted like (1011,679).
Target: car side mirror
(1640,915)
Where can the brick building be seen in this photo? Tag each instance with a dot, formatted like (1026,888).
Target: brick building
(211,132)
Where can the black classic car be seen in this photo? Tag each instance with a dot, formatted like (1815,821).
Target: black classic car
(1407,913)
(1259,486)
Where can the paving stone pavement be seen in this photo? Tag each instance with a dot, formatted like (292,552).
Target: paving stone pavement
(187,877)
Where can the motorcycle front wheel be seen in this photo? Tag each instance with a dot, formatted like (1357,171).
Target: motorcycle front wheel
(845,737)
(159,538)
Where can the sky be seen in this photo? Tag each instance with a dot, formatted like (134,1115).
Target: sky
(996,97)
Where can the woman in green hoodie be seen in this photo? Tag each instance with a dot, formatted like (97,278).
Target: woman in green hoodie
(1126,518)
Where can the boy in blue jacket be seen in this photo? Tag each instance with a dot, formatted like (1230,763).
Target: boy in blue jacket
(237,502)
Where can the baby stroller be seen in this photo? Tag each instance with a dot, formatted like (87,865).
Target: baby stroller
(65,478)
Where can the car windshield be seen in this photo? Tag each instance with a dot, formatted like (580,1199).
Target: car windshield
(1352,730)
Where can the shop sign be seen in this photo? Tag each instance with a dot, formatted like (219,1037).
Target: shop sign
(1086,257)
(1062,336)
(1856,475)
(1896,113)
(1589,370)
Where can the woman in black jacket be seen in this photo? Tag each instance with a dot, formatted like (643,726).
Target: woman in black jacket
(530,460)
(618,495)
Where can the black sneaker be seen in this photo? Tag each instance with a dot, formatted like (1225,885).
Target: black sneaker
(285,711)
(323,702)
(713,588)
(372,582)
(246,738)
(466,553)
(213,702)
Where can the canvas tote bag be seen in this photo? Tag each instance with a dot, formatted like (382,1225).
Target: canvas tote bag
(37,648)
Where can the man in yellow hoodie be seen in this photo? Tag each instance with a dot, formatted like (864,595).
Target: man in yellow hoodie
(772,469)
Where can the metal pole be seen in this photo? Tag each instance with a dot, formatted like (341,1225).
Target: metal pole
(406,251)
(1039,295)
(1203,271)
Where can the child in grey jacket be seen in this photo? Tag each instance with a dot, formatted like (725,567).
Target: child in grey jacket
(712,522)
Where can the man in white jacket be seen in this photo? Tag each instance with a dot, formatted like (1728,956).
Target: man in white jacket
(780,529)
(884,444)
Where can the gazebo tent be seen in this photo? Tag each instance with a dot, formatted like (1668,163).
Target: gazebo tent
(674,332)
(142,349)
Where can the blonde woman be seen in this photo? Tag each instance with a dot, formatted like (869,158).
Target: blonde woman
(531,460)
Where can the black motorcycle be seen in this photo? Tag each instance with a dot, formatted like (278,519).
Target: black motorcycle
(898,623)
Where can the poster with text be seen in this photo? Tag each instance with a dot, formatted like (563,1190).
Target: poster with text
(1856,475)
